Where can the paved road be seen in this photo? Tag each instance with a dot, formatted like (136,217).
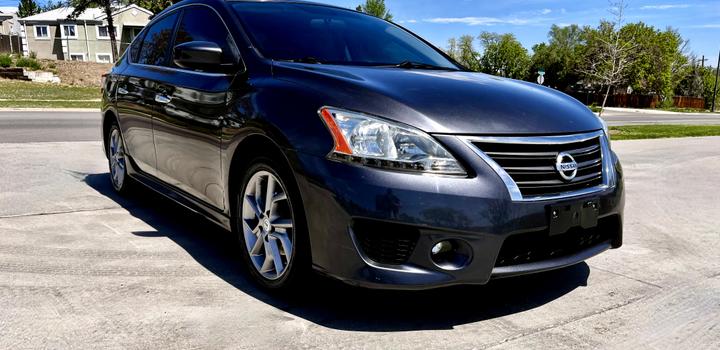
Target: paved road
(631,117)
(81,267)
(49,126)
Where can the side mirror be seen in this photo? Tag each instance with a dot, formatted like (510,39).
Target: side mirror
(198,55)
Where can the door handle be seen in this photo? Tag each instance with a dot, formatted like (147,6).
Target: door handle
(160,98)
(122,91)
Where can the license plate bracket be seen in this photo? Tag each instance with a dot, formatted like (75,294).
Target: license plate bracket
(583,214)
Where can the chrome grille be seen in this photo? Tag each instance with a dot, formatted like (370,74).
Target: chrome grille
(527,164)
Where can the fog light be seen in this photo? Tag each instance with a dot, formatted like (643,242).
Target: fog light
(442,247)
(451,254)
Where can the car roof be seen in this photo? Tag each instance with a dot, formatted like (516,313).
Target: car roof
(299,2)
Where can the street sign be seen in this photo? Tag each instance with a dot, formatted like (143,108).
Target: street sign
(541,79)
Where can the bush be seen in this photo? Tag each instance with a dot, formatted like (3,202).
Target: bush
(708,92)
(33,54)
(29,63)
(5,61)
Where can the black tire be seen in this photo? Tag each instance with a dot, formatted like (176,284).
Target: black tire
(298,265)
(119,178)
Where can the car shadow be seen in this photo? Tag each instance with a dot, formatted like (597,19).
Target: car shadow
(331,303)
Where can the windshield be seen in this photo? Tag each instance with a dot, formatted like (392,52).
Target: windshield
(320,34)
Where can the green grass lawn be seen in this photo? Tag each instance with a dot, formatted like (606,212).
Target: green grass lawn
(635,132)
(20,94)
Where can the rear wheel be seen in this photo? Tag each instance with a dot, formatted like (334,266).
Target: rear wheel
(270,227)
(116,157)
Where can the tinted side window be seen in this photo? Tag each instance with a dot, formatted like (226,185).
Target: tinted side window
(200,23)
(154,49)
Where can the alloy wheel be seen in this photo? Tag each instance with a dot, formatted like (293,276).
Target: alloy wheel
(117,159)
(267,225)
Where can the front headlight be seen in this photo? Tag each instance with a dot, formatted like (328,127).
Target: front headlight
(381,143)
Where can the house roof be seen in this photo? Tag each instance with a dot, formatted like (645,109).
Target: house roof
(91,14)
(126,8)
(62,13)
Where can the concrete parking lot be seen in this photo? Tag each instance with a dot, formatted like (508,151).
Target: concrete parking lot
(81,267)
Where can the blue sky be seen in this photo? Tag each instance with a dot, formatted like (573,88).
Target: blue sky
(530,20)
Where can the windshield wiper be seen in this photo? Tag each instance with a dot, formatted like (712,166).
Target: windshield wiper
(420,65)
(308,59)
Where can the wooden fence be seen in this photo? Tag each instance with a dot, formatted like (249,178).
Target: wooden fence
(689,102)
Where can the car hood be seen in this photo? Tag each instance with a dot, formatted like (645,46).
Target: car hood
(448,102)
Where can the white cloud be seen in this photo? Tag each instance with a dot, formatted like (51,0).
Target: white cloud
(663,7)
(709,26)
(478,21)
(545,11)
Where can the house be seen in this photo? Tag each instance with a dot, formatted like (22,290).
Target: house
(8,21)
(9,30)
(85,38)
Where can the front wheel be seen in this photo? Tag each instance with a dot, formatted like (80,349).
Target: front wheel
(116,157)
(270,225)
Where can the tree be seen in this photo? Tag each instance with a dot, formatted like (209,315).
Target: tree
(51,5)
(560,57)
(503,55)
(27,8)
(155,6)
(608,54)
(468,56)
(462,50)
(692,82)
(659,62)
(710,80)
(107,6)
(453,49)
(376,8)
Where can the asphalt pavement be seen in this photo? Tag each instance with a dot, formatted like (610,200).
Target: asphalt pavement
(49,126)
(81,267)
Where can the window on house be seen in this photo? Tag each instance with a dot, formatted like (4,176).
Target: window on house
(69,31)
(103,32)
(103,58)
(77,57)
(42,32)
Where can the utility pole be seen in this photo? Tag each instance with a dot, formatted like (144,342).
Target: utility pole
(717,75)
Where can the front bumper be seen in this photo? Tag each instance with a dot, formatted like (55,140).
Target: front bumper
(476,210)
